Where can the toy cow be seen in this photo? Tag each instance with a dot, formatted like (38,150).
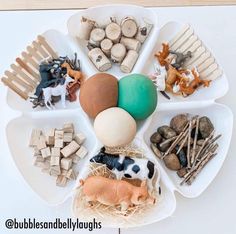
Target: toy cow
(124,166)
(115,192)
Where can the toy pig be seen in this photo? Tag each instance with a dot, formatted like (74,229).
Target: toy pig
(115,192)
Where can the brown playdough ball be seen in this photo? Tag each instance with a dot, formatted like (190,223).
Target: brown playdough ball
(98,93)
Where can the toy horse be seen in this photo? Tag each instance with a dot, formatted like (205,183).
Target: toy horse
(59,90)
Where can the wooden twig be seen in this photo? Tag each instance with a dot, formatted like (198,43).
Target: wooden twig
(195,141)
(168,141)
(188,148)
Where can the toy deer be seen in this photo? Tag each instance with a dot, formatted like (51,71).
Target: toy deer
(59,90)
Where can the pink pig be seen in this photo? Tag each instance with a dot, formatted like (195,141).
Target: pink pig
(115,192)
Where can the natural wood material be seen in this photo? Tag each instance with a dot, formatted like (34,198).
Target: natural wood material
(78,4)
(24,74)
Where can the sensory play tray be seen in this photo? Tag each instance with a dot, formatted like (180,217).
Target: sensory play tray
(23,77)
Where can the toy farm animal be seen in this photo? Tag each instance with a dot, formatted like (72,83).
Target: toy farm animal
(77,75)
(130,168)
(59,90)
(115,192)
(162,55)
(159,78)
(180,58)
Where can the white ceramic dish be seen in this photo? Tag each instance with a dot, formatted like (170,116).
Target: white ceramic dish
(202,103)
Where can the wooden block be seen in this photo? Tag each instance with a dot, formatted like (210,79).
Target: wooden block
(50,140)
(70,149)
(41,142)
(68,128)
(61,181)
(55,161)
(46,170)
(71,174)
(55,170)
(37,152)
(82,152)
(80,138)
(59,134)
(68,137)
(66,163)
(46,152)
(59,143)
(35,134)
(75,158)
(55,152)
(39,161)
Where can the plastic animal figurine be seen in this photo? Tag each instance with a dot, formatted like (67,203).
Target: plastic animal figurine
(126,167)
(180,58)
(72,92)
(59,90)
(162,55)
(115,192)
(159,78)
(77,75)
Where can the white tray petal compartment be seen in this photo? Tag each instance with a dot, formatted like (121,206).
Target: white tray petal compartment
(179,35)
(222,119)
(63,46)
(18,134)
(102,14)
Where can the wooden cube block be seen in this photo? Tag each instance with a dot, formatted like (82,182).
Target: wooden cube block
(41,142)
(39,161)
(80,138)
(75,158)
(71,174)
(55,170)
(68,137)
(46,152)
(68,128)
(59,134)
(71,148)
(34,138)
(37,152)
(50,140)
(66,163)
(82,152)
(61,181)
(55,152)
(55,161)
(59,143)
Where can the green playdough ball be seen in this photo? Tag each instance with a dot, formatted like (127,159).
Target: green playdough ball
(137,95)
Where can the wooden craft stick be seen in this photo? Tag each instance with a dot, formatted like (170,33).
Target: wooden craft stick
(189,43)
(182,39)
(24,76)
(195,56)
(210,70)
(16,89)
(41,50)
(217,73)
(34,53)
(43,42)
(30,60)
(179,34)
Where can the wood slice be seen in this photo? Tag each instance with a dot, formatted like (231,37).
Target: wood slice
(96,36)
(118,52)
(106,46)
(131,43)
(113,32)
(86,27)
(129,27)
(129,61)
(99,59)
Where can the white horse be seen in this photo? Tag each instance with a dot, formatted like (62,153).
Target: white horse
(59,90)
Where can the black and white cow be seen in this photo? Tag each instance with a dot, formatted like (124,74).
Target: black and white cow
(124,166)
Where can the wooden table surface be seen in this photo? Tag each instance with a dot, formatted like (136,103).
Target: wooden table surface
(76,4)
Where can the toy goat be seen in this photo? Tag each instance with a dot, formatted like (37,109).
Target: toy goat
(59,90)
(130,168)
(115,192)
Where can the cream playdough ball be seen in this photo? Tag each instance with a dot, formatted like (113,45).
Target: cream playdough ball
(115,127)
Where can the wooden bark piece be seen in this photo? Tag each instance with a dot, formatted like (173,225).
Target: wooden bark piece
(129,27)
(129,61)
(118,52)
(86,27)
(131,43)
(99,59)
(113,32)
(143,32)
(106,46)
(96,36)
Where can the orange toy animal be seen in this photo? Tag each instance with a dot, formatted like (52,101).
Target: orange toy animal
(162,55)
(113,192)
(194,84)
(77,75)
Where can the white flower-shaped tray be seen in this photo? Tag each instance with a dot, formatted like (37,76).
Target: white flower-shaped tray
(201,102)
